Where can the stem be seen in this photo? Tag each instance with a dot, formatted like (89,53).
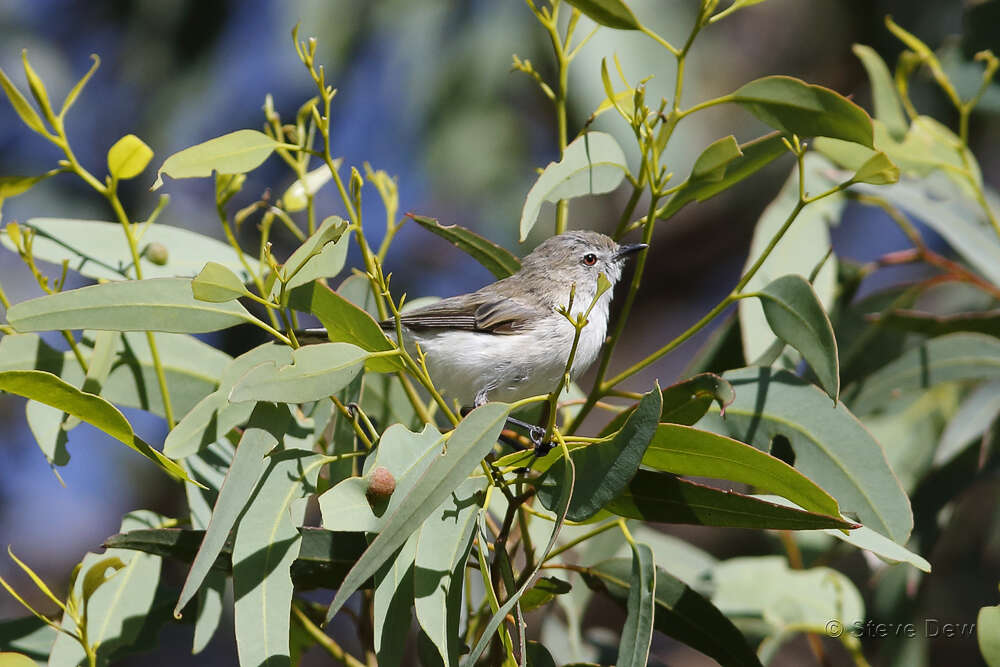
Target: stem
(613,523)
(324,640)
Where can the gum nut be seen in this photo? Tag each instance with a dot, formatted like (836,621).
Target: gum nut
(381,484)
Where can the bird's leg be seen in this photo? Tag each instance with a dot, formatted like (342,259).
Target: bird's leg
(535,433)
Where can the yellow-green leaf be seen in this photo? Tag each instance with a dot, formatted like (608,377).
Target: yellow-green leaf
(234,153)
(128,157)
(217,284)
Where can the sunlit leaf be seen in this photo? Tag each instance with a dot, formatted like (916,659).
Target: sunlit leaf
(234,153)
(640,606)
(316,372)
(988,634)
(296,196)
(217,284)
(128,157)
(24,110)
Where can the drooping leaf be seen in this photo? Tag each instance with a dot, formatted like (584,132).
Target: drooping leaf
(888,108)
(754,156)
(803,247)
(665,498)
(610,13)
(684,450)
(592,164)
(867,539)
(687,401)
(637,635)
(128,157)
(392,604)
(267,543)
(267,426)
(960,356)
(831,446)
(681,613)
(51,390)
(603,469)
(806,110)
(217,284)
(496,259)
(316,372)
(98,249)
(345,322)
(158,304)
(797,317)
(234,153)
(468,444)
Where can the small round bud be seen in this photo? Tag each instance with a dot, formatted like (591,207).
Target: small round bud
(381,484)
(157,253)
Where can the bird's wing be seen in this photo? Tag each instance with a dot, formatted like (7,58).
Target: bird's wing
(479,311)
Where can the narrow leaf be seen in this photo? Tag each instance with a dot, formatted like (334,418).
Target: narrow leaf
(592,164)
(637,635)
(610,13)
(932,326)
(26,112)
(234,153)
(888,108)
(496,259)
(158,304)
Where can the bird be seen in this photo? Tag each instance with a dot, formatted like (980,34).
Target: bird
(508,340)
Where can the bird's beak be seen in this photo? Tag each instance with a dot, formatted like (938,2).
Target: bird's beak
(628,249)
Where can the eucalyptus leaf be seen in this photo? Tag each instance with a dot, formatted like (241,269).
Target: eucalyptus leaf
(217,284)
(234,153)
(831,446)
(316,372)
(316,257)
(23,108)
(496,259)
(158,304)
(988,634)
(610,13)
(392,604)
(603,469)
(592,164)
(795,107)
(888,108)
(469,443)
(297,195)
(932,325)
(637,635)
(97,249)
(128,157)
(796,316)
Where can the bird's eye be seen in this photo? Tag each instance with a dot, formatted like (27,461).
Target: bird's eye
(590,259)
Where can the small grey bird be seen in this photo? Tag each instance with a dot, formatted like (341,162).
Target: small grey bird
(507,340)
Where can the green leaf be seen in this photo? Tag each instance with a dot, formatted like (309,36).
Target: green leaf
(988,634)
(97,574)
(158,304)
(799,251)
(36,86)
(8,659)
(392,604)
(683,450)
(710,167)
(637,635)
(128,157)
(443,546)
(78,86)
(960,356)
(754,156)
(888,108)
(24,110)
(322,255)
(345,322)
(795,107)
(98,249)
(592,164)
(296,196)
(11,186)
(469,443)
(831,446)
(797,317)
(214,416)
(51,390)
(610,13)
(234,153)
(217,284)
(119,608)
(603,469)
(267,426)
(665,498)
(267,543)
(542,592)
(877,170)
(29,635)
(323,560)
(316,372)
(978,411)
(867,539)
(681,613)
(687,401)
(496,259)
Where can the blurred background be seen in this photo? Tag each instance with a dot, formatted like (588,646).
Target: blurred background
(426,93)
